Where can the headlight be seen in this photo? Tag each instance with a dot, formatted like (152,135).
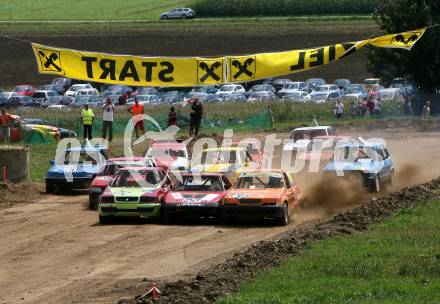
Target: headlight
(96,189)
(107,199)
(147,199)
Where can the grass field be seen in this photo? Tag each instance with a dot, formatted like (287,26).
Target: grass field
(85,10)
(397,261)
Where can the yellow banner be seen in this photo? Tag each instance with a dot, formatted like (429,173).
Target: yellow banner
(193,71)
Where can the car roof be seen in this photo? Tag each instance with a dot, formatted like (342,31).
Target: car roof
(96,148)
(362,145)
(142,169)
(334,137)
(224,149)
(167,144)
(203,174)
(121,159)
(312,128)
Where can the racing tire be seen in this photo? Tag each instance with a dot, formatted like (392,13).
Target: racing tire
(166,218)
(92,203)
(225,219)
(375,186)
(284,219)
(105,220)
(164,17)
(183,16)
(49,188)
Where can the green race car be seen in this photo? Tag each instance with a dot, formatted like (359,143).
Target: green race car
(134,192)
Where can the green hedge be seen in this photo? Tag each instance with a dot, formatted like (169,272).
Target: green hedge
(216,8)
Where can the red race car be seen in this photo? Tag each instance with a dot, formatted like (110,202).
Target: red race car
(196,196)
(24,90)
(112,166)
(173,155)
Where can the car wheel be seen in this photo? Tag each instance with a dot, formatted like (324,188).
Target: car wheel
(165,17)
(183,17)
(92,201)
(166,218)
(35,138)
(49,188)
(375,186)
(226,220)
(104,220)
(284,219)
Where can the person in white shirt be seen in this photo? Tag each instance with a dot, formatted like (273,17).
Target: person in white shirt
(107,119)
(339,109)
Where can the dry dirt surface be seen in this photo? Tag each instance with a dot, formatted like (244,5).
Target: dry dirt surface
(54,250)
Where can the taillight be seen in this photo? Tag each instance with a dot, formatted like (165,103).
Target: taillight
(107,199)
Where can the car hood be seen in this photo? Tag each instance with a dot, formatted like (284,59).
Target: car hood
(43,127)
(131,191)
(194,197)
(171,163)
(216,168)
(101,181)
(256,193)
(75,170)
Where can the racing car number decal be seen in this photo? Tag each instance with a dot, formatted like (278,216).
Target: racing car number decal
(191,201)
(239,196)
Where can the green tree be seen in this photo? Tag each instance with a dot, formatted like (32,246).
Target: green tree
(421,65)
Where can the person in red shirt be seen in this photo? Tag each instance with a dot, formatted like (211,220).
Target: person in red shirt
(137,109)
(5,125)
(172,117)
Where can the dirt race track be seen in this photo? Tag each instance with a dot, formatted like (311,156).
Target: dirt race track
(54,250)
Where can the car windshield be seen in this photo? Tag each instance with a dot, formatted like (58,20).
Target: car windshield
(82,157)
(292,86)
(219,156)
(322,88)
(307,134)
(319,96)
(259,88)
(20,89)
(260,181)
(76,87)
(353,153)
(227,88)
(111,168)
(204,183)
(136,179)
(165,151)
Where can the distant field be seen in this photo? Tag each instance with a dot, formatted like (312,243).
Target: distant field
(84,9)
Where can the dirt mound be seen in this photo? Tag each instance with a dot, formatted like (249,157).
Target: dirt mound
(26,192)
(213,283)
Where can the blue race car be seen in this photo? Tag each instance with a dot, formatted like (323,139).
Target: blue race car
(76,167)
(371,161)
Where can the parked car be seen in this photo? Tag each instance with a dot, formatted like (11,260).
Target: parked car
(260,89)
(389,94)
(264,195)
(229,89)
(42,96)
(80,101)
(280,83)
(211,89)
(370,161)
(292,87)
(35,133)
(326,87)
(144,99)
(323,96)
(65,82)
(134,192)
(120,88)
(145,91)
(233,97)
(64,133)
(21,101)
(24,90)
(178,13)
(196,197)
(300,96)
(76,167)
(313,83)
(171,155)
(342,83)
(53,87)
(262,96)
(71,91)
(102,180)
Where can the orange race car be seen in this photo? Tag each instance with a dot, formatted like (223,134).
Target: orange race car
(262,194)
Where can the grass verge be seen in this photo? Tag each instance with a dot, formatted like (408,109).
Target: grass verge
(396,261)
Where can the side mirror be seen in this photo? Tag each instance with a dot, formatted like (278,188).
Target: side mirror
(52,162)
(227,187)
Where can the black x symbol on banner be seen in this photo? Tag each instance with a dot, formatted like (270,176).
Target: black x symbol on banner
(402,39)
(242,68)
(50,61)
(210,70)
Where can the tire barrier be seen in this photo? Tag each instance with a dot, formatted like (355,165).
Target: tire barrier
(14,163)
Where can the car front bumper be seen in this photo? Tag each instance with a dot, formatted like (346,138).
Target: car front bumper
(261,211)
(75,183)
(193,211)
(146,210)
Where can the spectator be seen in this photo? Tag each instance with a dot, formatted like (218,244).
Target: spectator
(353,109)
(377,106)
(370,106)
(107,119)
(5,125)
(137,110)
(426,111)
(195,116)
(339,109)
(122,100)
(407,107)
(87,117)
(172,117)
